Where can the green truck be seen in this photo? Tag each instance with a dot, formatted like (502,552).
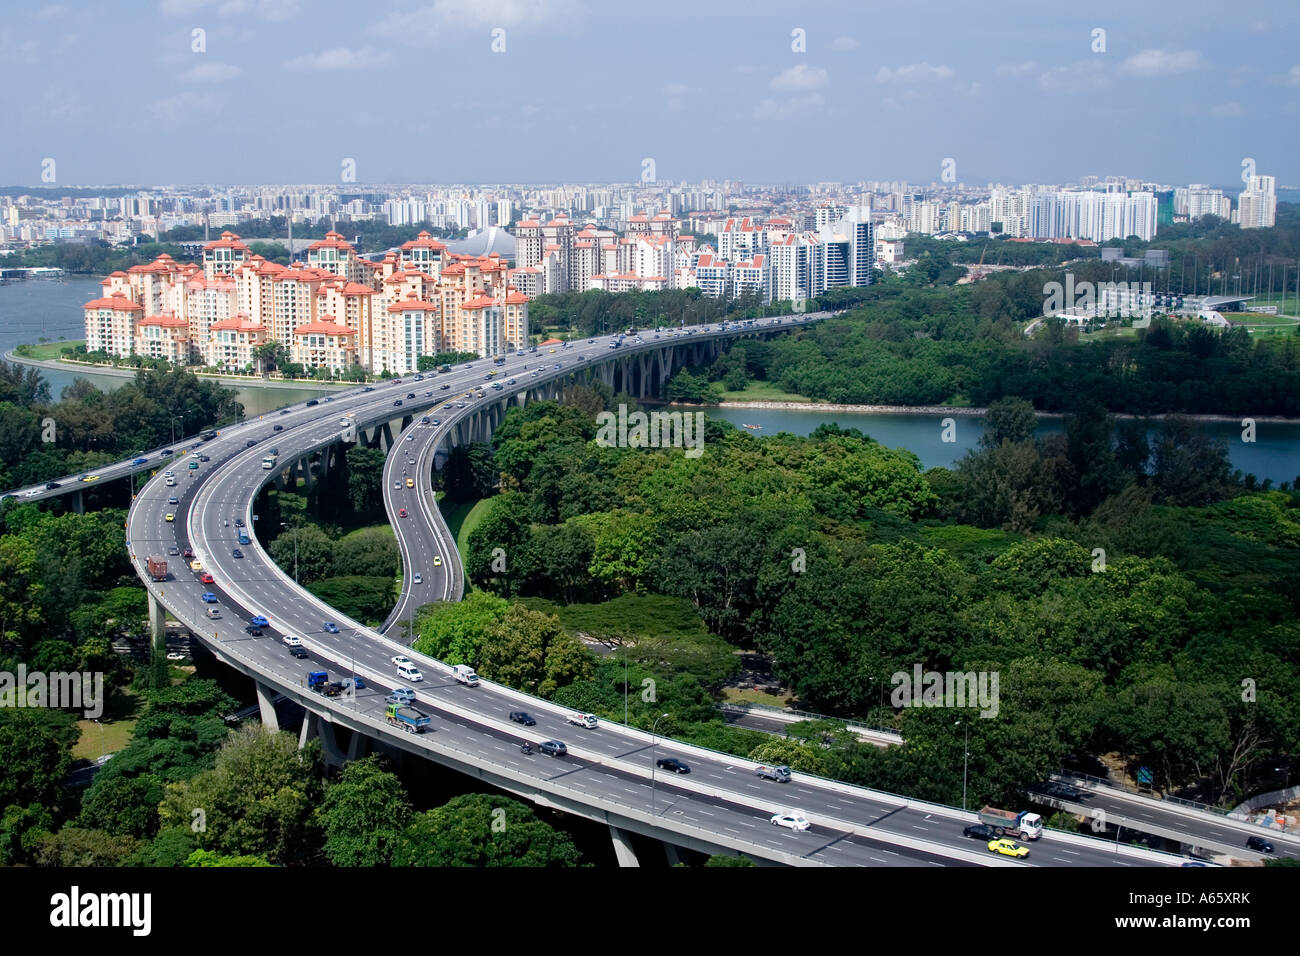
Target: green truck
(408,718)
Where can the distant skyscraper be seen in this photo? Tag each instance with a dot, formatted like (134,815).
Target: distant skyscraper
(1257,203)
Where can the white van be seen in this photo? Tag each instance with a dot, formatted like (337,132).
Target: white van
(214,613)
(410,672)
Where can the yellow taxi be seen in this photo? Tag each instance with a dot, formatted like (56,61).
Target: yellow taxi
(410,482)
(437,560)
(196,565)
(1008,848)
(169,517)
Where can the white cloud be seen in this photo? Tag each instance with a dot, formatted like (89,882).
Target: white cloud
(50,11)
(914,73)
(844,44)
(274,11)
(1231,110)
(1016,69)
(1084,75)
(788,108)
(1292,78)
(1161,62)
(339,58)
(424,25)
(211,72)
(799,79)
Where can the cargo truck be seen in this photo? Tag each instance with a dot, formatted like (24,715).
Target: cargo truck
(408,718)
(465,674)
(157,568)
(319,681)
(583,720)
(1026,825)
(779,774)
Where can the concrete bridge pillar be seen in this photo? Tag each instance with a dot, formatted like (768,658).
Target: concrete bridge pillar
(266,706)
(623,847)
(323,730)
(674,855)
(358,746)
(643,376)
(157,623)
(78,503)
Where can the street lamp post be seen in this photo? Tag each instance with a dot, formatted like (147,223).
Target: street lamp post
(965,758)
(653,741)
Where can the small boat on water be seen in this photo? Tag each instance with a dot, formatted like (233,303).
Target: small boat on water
(754,427)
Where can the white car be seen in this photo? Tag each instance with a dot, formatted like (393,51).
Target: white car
(290,641)
(417,580)
(399,660)
(791,820)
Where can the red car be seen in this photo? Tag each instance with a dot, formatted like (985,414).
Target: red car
(188,554)
(401,513)
(205,578)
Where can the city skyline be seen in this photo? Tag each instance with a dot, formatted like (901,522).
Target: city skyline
(1169,94)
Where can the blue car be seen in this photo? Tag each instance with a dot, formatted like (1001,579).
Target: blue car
(331,627)
(139,461)
(258,620)
(209,597)
(358,682)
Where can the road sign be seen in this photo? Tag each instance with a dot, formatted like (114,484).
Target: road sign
(1144,775)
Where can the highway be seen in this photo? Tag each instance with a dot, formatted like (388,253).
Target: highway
(1207,832)
(721,802)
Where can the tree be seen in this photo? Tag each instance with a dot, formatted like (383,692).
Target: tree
(1190,469)
(531,651)
(208,858)
(796,756)
(123,806)
(482,830)
(260,798)
(307,549)
(365,488)
(721,859)
(470,472)
(21,831)
(35,747)
(1008,420)
(453,632)
(364,814)
(76,847)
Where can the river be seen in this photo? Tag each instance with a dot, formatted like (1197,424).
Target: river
(1275,453)
(33,309)
(36,308)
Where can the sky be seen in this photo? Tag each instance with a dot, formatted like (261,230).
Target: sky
(155,92)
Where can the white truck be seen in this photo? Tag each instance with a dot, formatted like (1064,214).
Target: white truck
(780,774)
(465,674)
(582,720)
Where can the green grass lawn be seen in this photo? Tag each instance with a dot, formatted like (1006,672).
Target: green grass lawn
(734,695)
(114,729)
(462,518)
(45,351)
(763,392)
